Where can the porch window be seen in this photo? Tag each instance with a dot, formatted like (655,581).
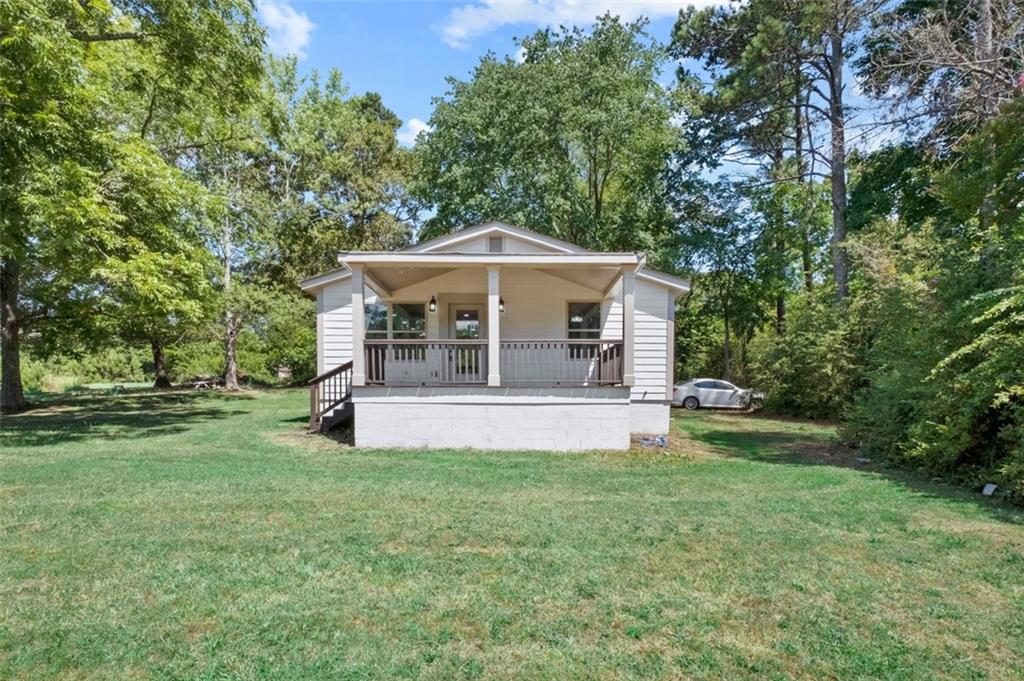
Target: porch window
(409,320)
(377,320)
(584,322)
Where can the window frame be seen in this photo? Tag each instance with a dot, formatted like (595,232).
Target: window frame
(391,320)
(568,320)
(390,333)
(583,350)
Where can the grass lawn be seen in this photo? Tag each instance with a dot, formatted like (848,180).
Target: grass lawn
(190,535)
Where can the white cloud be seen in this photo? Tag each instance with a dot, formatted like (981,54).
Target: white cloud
(407,134)
(469,21)
(288,31)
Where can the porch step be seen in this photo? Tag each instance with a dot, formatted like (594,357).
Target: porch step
(341,415)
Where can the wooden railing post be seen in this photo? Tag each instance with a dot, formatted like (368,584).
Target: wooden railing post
(314,406)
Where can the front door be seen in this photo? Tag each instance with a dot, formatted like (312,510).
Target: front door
(467,358)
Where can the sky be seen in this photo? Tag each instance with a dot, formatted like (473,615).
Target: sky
(404,50)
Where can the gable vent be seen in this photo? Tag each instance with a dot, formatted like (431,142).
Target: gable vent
(495,244)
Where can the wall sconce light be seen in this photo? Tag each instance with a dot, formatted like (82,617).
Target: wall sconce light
(432,305)
(501,305)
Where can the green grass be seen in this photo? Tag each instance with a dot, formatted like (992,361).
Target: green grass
(194,535)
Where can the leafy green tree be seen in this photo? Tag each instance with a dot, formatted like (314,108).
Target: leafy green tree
(334,174)
(723,258)
(571,142)
(67,228)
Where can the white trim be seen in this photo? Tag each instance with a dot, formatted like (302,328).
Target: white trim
(358,328)
(670,370)
(493,326)
(628,327)
(666,280)
(506,259)
(479,230)
(313,283)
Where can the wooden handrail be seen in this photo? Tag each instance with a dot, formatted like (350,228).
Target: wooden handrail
(347,366)
(327,391)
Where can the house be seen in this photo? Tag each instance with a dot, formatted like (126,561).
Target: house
(494,337)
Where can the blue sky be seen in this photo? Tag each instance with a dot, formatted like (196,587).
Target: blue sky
(405,50)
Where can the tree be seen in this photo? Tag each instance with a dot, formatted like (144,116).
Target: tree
(571,142)
(723,256)
(61,202)
(946,66)
(778,68)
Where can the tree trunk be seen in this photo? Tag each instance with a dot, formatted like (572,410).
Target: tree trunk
(726,352)
(985,56)
(840,260)
(231,320)
(12,397)
(806,260)
(230,341)
(159,366)
(798,150)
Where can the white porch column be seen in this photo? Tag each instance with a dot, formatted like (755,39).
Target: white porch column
(358,327)
(493,327)
(628,327)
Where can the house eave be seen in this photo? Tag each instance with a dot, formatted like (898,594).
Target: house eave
(680,286)
(432,259)
(313,284)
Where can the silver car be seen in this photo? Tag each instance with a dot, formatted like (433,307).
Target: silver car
(712,392)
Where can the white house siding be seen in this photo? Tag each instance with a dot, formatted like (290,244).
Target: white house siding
(334,325)
(652,352)
(649,406)
(492,418)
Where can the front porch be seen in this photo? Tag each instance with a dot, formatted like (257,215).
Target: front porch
(447,319)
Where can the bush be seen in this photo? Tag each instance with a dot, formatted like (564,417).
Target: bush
(810,369)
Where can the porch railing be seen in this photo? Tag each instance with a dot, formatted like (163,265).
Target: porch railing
(573,362)
(327,391)
(533,362)
(425,362)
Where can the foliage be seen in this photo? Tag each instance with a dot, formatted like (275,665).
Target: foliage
(810,370)
(942,318)
(571,142)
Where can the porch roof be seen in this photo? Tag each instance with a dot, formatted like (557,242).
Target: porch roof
(389,271)
(393,270)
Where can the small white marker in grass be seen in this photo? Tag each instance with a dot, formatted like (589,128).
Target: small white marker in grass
(989,489)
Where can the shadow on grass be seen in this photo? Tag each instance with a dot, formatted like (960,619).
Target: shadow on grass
(765,439)
(133,414)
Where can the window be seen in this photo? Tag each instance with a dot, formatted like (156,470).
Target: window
(722,385)
(377,320)
(584,322)
(408,320)
(705,385)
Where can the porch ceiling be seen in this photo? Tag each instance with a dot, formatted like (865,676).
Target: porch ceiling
(598,279)
(395,278)
(387,279)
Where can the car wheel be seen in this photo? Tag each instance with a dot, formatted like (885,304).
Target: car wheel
(691,403)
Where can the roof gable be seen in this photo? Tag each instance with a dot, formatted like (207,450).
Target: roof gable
(475,238)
